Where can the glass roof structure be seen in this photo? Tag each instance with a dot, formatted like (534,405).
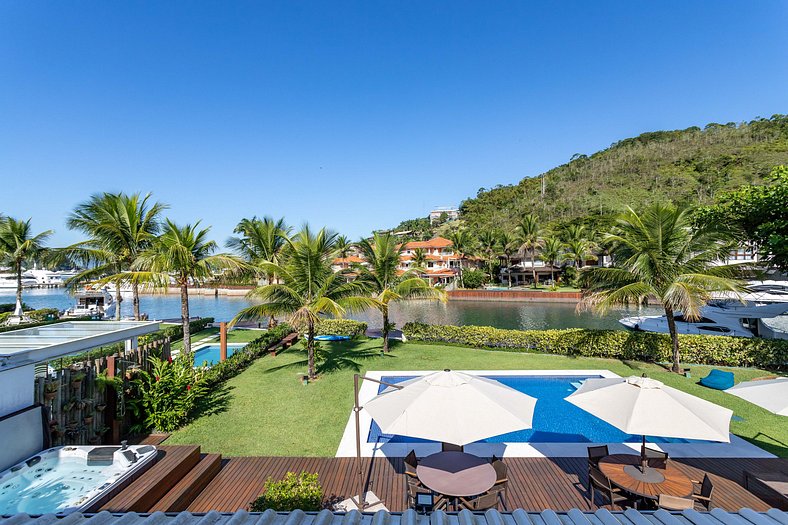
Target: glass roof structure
(43,343)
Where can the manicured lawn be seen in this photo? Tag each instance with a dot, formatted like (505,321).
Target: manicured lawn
(266,411)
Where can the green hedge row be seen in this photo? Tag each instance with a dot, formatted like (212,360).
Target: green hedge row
(175,332)
(615,344)
(347,327)
(240,360)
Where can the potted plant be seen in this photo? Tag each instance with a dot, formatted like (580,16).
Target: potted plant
(50,390)
(76,378)
(70,405)
(88,420)
(100,407)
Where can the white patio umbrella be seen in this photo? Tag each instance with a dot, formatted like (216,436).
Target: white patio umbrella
(639,405)
(771,394)
(452,407)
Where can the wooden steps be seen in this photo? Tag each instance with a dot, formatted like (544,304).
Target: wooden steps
(172,464)
(189,487)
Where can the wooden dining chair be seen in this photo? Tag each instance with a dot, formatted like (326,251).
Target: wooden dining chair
(488,500)
(421,498)
(595,454)
(501,478)
(668,502)
(411,463)
(704,495)
(450,447)
(599,482)
(656,458)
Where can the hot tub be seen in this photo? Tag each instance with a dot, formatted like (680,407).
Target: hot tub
(68,479)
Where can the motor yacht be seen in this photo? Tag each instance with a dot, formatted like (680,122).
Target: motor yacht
(92,302)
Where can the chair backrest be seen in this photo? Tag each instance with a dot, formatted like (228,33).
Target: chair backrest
(487,500)
(657,458)
(411,462)
(706,487)
(599,479)
(674,503)
(501,470)
(450,447)
(597,453)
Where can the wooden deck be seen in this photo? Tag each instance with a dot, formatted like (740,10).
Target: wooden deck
(184,479)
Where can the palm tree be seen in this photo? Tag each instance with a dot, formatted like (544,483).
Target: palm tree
(575,232)
(462,244)
(579,251)
(419,258)
(184,254)
(552,248)
(309,288)
(380,276)
(509,246)
(261,241)
(658,253)
(119,227)
(343,246)
(488,245)
(530,240)
(18,245)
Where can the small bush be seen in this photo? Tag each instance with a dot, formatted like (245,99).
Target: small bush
(473,278)
(614,344)
(347,327)
(295,491)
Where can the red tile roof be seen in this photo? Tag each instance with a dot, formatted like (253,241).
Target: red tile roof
(436,242)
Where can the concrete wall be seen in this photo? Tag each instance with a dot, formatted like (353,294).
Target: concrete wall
(16,389)
(514,296)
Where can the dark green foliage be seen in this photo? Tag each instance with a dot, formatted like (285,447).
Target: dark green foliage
(614,344)
(347,327)
(473,278)
(9,307)
(760,213)
(295,491)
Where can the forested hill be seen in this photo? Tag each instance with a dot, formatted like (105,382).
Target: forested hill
(683,166)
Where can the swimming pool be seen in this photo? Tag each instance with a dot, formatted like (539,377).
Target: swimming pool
(555,420)
(210,354)
(67,479)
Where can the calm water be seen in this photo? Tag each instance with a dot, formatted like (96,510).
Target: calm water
(482,313)
(574,426)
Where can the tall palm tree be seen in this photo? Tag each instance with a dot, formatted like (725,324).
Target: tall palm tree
(463,245)
(579,251)
(261,241)
(575,232)
(509,246)
(18,245)
(658,253)
(552,249)
(120,227)
(184,254)
(488,246)
(343,246)
(380,276)
(309,288)
(530,233)
(419,258)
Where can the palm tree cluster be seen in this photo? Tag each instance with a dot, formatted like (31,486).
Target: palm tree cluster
(19,246)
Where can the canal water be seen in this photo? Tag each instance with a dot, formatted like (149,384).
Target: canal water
(525,316)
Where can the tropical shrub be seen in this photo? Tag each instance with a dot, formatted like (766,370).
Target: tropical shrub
(9,307)
(473,278)
(614,344)
(165,397)
(347,327)
(43,314)
(295,491)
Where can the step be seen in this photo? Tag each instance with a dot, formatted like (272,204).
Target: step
(190,486)
(173,464)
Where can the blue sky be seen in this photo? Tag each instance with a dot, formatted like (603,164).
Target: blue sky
(354,115)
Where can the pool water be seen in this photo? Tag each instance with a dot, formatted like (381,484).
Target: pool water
(555,420)
(210,354)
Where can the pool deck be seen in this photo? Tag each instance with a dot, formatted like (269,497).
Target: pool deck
(737,448)
(205,482)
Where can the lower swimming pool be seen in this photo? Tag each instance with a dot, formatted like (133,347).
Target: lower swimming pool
(555,420)
(68,479)
(210,354)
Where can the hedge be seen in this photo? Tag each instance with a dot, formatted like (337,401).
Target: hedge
(240,360)
(175,332)
(614,344)
(347,327)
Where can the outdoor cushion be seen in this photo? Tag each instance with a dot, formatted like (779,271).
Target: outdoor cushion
(718,379)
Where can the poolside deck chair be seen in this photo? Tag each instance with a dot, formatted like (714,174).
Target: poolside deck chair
(488,500)
(718,380)
(501,479)
(595,454)
(599,482)
(669,502)
(704,495)
(450,447)
(656,458)
(411,462)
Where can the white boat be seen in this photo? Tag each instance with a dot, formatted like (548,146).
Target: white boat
(44,277)
(724,317)
(760,292)
(92,303)
(8,282)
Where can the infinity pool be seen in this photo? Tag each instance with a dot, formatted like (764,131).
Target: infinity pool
(210,354)
(555,420)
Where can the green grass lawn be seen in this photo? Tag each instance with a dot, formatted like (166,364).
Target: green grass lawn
(266,411)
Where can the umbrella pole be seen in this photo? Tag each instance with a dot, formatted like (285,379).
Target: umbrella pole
(643,458)
(359,469)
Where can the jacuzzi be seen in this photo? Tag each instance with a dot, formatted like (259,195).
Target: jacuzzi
(67,479)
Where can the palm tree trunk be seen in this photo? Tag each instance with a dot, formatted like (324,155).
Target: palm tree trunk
(462,284)
(310,349)
(674,339)
(509,269)
(118,299)
(385,310)
(135,300)
(187,342)
(533,268)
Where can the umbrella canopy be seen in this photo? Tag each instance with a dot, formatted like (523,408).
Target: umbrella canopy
(643,406)
(771,394)
(452,407)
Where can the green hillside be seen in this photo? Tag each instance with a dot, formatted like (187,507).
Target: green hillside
(684,166)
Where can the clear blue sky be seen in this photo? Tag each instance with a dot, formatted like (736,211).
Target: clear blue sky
(357,114)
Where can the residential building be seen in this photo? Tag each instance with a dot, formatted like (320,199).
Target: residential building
(444,214)
(442,265)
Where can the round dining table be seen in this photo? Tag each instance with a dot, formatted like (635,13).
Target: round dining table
(623,471)
(456,474)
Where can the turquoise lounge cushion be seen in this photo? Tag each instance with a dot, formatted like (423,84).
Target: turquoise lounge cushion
(718,379)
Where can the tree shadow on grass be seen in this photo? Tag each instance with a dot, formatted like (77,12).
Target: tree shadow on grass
(331,357)
(215,401)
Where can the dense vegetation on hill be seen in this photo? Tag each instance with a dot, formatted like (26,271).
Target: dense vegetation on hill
(683,166)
